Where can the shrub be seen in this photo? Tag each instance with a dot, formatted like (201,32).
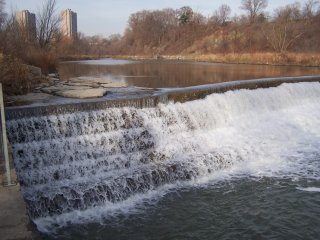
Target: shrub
(15,76)
(42,58)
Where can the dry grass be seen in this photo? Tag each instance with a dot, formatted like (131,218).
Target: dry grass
(301,59)
(15,76)
(46,60)
(267,58)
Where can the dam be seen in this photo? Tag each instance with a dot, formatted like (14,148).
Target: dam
(109,168)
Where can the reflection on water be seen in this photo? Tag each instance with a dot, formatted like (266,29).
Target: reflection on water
(166,74)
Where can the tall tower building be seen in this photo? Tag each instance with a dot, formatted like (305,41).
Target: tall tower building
(27,21)
(69,23)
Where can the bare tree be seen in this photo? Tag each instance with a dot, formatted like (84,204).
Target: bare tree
(2,13)
(310,8)
(48,24)
(13,41)
(290,12)
(150,29)
(254,8)
(221,15)
(285,29)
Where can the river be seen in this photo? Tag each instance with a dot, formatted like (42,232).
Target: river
(243,164)
(169,74)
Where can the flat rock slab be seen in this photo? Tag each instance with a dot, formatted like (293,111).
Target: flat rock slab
(90,80)
(52,79)
(83,93)
(61,87)
(114,85)
(84,84)
(53,75)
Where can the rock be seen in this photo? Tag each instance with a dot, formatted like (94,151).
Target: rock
(62,87)
(81,87)
(83,93)
(86,84)
(34,71)
(43,85)
(90,80)
(52,79)
(53,75)
(114,85)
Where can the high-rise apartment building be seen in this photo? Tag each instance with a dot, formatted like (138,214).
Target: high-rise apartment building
(27,21)
(69,23)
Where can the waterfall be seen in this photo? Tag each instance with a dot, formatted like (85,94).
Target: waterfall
(80,160)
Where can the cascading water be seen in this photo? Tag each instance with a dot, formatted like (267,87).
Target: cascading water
(80,161)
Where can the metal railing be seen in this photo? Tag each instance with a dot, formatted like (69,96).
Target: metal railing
(3,141)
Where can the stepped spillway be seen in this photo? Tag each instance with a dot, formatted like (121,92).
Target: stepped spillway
(79,160)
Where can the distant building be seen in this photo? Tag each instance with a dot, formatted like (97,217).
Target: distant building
(27,21)
(69,23)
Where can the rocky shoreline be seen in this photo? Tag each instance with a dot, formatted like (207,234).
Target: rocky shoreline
(51,87)
(81,87)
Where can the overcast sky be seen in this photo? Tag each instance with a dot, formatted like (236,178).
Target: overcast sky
(105,17)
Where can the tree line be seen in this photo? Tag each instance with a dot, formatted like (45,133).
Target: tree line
(291,28)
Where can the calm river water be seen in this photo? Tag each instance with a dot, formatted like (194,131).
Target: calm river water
(166,74)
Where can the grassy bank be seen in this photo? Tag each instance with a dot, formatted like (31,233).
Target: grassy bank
(288,59)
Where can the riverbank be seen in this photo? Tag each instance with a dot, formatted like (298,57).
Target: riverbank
(268,58)
(20,79)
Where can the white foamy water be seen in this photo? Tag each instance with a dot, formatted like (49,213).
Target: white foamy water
(84,167)
(309,189)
